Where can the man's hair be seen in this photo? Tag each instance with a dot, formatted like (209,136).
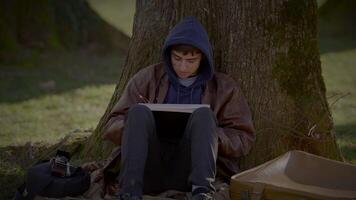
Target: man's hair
(185,49)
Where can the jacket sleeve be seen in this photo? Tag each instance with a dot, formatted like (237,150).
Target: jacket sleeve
(113,129)
(236,133)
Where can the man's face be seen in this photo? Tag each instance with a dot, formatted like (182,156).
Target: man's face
(185,65)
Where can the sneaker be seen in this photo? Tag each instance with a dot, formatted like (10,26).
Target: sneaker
(202,193)
(202,196)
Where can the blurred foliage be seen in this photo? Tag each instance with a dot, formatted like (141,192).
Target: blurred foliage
(28,28)
(338,17)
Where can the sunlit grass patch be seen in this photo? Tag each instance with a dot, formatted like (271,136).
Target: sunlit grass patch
(119,13)
(64,93)
(50,117)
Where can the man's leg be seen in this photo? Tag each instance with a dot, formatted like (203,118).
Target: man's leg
(201,130)
(139,139)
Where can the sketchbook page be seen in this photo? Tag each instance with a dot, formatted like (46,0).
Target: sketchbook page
(185,108)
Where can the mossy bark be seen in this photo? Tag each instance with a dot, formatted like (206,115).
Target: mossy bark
(269,47)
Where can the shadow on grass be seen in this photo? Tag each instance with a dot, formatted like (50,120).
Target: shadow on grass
(57,73)
(346,136)
(336,43)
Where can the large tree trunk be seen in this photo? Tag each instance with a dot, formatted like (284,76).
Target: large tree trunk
(269,47)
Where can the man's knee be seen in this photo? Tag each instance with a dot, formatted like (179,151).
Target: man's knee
(139,121)
(139,114)
(203,122)
(139,110)
(203,114)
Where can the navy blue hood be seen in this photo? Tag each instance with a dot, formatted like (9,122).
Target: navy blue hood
(189,31)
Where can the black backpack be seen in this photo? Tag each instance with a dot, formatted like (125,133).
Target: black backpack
(41,181)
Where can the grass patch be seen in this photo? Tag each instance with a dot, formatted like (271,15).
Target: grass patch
(120,13)
(65,93)
(50,117)
(339,75)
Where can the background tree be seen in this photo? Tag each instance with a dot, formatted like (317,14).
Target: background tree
(269,47)
(28,28)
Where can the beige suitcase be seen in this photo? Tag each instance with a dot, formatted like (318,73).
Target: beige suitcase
(296,175)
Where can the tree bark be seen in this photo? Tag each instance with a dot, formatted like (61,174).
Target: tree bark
(269,47)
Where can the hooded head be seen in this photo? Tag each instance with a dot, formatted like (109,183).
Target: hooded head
(190,32)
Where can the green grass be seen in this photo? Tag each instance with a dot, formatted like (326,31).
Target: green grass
(340,78)
(65,93)
(50,117)
(118,13)
(339,74)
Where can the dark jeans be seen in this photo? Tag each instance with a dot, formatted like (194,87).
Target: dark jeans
(152,165)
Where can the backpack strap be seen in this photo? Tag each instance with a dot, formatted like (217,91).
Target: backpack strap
(23,194)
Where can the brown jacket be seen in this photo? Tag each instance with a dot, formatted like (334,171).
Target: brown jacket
(236,134)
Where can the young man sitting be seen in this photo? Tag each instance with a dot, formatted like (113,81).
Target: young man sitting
(220,134)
